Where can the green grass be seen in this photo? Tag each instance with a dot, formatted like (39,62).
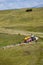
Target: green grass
(8,39)
(22,20)
(27,28)
(30,54)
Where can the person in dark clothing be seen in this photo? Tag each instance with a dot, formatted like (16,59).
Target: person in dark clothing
(32,37)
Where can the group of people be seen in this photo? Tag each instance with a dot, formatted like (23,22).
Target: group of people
(30,38)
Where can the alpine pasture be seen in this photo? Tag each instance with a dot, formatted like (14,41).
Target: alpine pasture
(14,26)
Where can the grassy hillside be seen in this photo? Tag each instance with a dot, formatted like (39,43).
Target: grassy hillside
(30,54)
(22,20)
(8,39)
(19,21)
(13,23)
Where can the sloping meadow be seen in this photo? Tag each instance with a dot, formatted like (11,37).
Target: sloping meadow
(29,54)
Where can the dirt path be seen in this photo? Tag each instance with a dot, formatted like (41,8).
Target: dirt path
(16,45)
(11,46)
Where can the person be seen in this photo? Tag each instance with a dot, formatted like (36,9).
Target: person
(32,37)
(26,39)
(29,40)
